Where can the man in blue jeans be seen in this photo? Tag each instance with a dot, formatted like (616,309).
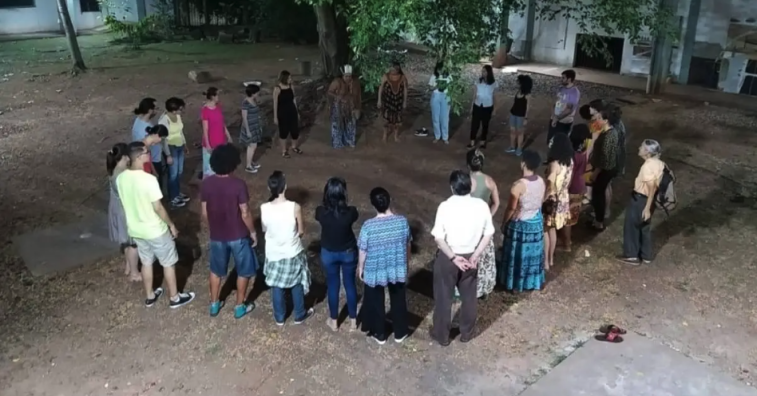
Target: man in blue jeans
(232,232)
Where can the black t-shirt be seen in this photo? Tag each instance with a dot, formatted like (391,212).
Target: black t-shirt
(336,231)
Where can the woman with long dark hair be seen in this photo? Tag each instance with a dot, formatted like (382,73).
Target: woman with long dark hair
(286,263)
(519,114)
(440,105)
(286,114)
(557,203)
(214,131)
(117,161)
(485,188)
(392,100)
(482,108)
(145,112)
(338,249)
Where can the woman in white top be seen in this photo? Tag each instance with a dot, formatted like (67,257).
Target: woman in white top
(482,108)
(440,105)
(286,263)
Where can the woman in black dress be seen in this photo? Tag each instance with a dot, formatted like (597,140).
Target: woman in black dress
(285,113)
(392,99)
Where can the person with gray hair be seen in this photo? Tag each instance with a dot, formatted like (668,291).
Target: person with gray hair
(637,228)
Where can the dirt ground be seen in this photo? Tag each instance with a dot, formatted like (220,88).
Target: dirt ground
(85,332)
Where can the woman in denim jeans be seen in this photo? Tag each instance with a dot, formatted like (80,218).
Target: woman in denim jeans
(338,248)
(286,263)
(177,146)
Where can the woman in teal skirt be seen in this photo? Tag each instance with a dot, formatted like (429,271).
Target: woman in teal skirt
(522,265)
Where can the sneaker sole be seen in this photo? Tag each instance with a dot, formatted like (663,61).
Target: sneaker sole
(377,341)
(158,292)
(308,314)
(401,340)
(174,306)
(250,308)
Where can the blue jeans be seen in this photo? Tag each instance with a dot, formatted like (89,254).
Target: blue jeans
(440,115)
(245,260)
(279,303)
(332,262)
(175,170)
(206,170)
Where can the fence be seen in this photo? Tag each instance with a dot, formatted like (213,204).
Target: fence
(189,13)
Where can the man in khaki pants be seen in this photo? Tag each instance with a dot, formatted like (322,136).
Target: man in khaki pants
(149,225)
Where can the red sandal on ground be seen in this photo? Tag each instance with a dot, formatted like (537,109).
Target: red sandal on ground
(612,336)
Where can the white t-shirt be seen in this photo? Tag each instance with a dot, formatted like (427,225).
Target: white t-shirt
(485,94)
(462,221)
(282,240)
(433,80)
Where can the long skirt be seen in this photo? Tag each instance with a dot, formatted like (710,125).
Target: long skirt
(487,273)
(522,266)
(342,130)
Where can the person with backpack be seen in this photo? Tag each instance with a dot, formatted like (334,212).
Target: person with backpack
(648,192)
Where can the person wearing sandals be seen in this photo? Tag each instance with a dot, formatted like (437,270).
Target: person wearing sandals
(392,100)
(251,133)
(286,262)
(345,96)
(150,226)
(519,114)
(177,147)
(214,131)
(286,114)
(522,265)
(483,106)
(226,211)
(440,105)
(338,249)
(117,161)
(579,137)
(637,228)
(556,208)
(462,230)
(604,162)
(384,246)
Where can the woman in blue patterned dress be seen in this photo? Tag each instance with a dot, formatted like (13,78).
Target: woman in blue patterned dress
(522,265)
(384,245)
(345,97)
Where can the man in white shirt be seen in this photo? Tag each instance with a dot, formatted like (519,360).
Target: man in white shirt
(462,230)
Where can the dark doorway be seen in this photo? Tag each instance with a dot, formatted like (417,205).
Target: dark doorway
(704,72)
(598,61)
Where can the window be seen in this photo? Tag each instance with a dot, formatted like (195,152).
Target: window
(88,5)
(643,49)
(17,3)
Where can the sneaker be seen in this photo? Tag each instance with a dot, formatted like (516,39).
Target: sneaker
(436,140)
(279,324)
(243,309)
(182,299)
(423,132)
(332,324)
(149,302)
(308,314)
(377,339)
(183,197)
(251,169)
(510,150)
(446,142)
(399,340)
(178,203)
(518,152)
(215,308)
(256,165)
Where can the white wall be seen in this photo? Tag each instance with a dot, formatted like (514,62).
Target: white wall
(44,18)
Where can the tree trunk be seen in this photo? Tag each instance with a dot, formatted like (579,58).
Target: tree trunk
(73,43)
(332,39)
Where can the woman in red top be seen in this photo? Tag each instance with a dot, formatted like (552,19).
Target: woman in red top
(577,188)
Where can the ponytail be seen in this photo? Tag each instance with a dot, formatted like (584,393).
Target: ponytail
(276,184)
(114,156)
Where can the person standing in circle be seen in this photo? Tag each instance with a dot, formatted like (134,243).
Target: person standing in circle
(117,161)
(285,113)
(440,105)
(252,127)
(214,131)
(392,100)
(177,146)
(345,97)
(566,105)
(519,115)
(483,106)
(145,112)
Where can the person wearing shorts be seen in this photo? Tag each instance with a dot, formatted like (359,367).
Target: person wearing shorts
(232,232)
(149,225)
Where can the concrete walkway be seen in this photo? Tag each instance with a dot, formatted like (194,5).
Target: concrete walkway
(638,366)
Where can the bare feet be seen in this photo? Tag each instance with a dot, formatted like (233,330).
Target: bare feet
(331,323)
(127,271)
(136,278)
(353,325)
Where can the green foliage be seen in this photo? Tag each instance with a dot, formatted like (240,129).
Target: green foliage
(156,27)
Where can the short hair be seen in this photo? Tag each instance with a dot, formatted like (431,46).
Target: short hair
(380,199)
(251,89)
(526,84)
(603,108)
(570,74)
(145,106)
(653,147)
(136,149)
(531,160)
(211,93)
(224,159)
(585,112)
(174,104)
(475,160)
(460,182)
(160,130)
(614,114)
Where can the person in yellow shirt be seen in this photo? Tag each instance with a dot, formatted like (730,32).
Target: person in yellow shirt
(637,228)
(177,147)
(149,225)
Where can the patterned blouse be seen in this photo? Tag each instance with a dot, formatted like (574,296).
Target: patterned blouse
(606,151)
(384,241)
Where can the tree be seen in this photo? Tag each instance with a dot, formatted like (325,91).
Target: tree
(73,44)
